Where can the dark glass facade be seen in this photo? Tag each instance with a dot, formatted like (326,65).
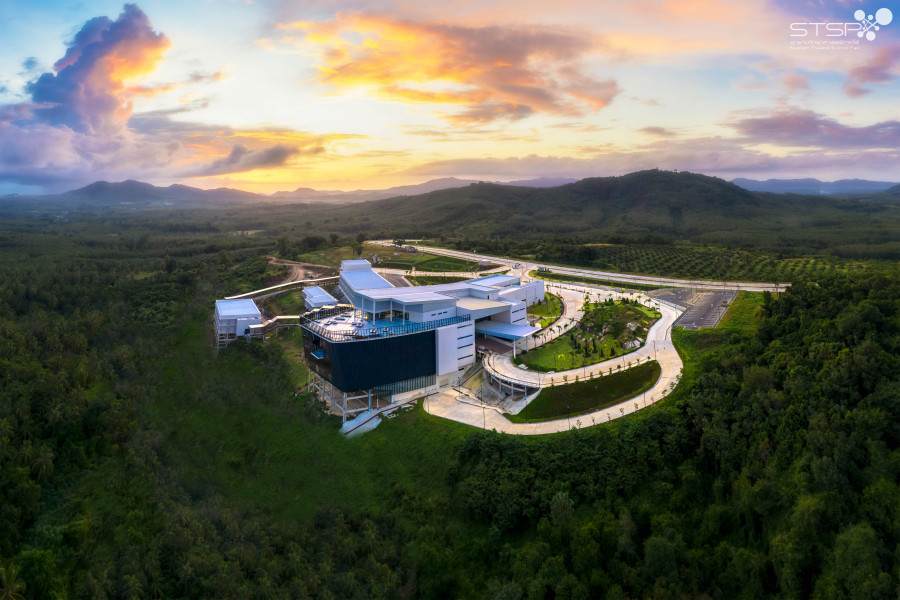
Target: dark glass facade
(365,364)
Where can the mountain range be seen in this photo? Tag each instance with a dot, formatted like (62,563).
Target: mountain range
(646,205)
(131,194)
(814,186)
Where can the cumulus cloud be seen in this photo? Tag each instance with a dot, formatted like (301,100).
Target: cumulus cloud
(88,91)
(75,123)
(492,73)
(804,128)
(79,124)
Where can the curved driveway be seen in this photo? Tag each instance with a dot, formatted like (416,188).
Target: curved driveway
(453,405)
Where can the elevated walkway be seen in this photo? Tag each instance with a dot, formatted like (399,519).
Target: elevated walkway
(282,288)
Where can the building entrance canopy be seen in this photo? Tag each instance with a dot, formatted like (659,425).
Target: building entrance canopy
(507,331)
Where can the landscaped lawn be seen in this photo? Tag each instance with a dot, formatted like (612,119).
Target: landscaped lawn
(550,309)
(589,345)
(589,396)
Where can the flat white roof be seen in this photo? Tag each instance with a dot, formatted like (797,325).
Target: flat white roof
(373,286)
(495,280)
(365,279)
(317,294)
(358,264)
(470,303)
(448,288)
(407,295)
(237,308)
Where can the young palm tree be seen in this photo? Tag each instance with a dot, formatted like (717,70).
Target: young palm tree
(11,587)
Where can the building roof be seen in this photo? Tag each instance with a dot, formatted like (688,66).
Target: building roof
(440,288)
(495,280)
(470,303)
(237,308)
(369,284)
(359,264)
(317,294)
(366,279)
(407,295)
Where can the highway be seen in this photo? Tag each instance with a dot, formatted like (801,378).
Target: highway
(700,284)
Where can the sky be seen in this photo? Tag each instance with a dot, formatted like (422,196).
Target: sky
(271,95)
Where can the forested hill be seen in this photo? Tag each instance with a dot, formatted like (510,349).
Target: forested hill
(135,464)
(676,206)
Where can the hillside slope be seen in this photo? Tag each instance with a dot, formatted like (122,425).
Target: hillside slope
(677,206)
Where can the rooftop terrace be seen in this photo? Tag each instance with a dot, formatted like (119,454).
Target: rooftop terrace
(343,324)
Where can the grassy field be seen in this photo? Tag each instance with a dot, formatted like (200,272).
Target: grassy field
(563,278)
(698,347)
(332,257)
(561,354)
(429,263)
(549,310)
(434,279)
(289,303)
(588,396)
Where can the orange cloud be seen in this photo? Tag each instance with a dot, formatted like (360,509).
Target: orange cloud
(491,72)
(88,91)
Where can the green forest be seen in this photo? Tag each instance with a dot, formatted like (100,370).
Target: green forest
(135,463)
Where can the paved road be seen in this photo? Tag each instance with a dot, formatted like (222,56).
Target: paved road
(707,310)
(397,280)
(465,274)
(641,279)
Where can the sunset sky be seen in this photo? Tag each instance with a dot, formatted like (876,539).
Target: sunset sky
(342,94)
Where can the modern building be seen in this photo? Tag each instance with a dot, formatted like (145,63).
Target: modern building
(315,297)
(388,341)
(234,318)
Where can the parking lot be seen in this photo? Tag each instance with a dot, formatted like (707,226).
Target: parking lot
(680,296)
(706,310)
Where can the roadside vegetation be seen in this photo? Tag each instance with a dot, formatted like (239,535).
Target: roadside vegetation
(564,278)
(579,397)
